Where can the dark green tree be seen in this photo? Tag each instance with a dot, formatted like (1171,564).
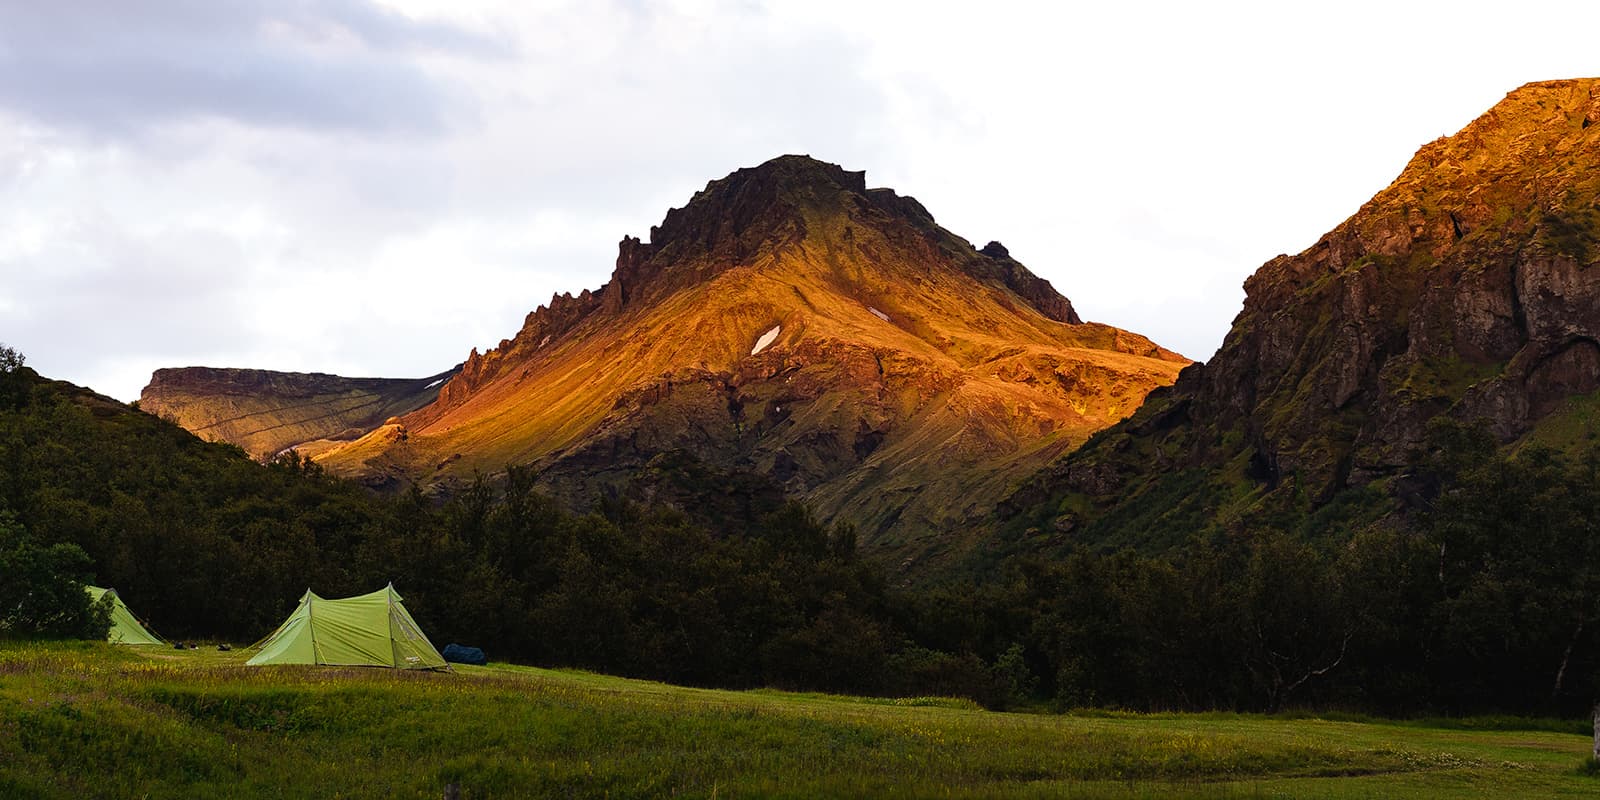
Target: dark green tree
(42,591)
(13,377)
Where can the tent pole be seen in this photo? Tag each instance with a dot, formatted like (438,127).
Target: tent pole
(316,657)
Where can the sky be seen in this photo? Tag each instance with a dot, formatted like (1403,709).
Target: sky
(375,187)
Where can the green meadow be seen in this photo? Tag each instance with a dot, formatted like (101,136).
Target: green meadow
(91,720)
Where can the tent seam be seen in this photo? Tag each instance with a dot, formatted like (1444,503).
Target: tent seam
(311,629)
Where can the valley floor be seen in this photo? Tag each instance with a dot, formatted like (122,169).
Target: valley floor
(89,720)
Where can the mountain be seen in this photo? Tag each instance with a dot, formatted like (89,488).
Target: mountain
(1467,290)
(790,322)
(267,412)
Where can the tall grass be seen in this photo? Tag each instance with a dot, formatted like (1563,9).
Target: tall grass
(88,720)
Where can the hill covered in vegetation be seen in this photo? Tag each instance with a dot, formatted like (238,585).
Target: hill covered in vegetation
(1486,603)
(1397,442)
(205,542)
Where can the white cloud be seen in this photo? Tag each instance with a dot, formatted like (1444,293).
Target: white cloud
(375,188)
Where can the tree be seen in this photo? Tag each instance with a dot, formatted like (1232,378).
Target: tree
(10,359)
(42,594)
(1295,616)
(13,378)
(1518,572)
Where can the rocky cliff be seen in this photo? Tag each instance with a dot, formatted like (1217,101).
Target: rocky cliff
(792,322)
(1467,288)
(267,412)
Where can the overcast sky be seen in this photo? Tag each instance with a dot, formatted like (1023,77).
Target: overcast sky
(374,187)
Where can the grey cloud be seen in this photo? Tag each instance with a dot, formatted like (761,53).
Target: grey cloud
(104,307)
(113,68)
(94,279)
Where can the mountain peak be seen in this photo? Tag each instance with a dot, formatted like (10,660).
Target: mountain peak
(752,209)
(797,172)
(763,213)
(784,181)
(793,219)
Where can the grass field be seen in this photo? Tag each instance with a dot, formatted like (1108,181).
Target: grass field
(89,720)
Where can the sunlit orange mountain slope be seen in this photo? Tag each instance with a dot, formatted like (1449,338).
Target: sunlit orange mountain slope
(792,322)
(789,322)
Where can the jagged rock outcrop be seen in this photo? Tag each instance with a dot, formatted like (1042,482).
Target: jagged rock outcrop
(790,321)
(1467,288)
(1036,290)
(266,412)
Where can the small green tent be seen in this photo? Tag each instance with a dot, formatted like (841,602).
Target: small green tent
(125,627)
(370,630)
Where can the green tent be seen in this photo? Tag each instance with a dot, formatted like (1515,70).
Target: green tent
(370,630)
(125,627)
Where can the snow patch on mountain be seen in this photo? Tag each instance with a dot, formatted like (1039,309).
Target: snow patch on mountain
(766,339)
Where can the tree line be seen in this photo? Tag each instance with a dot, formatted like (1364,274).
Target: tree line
(748,590)
(1487,599)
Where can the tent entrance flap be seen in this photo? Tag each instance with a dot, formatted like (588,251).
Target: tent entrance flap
(370,630)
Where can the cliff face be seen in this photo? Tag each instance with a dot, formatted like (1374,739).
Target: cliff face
(1466,288)
(792,322)
(267,412)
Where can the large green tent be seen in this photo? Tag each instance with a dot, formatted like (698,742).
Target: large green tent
(370,630)
(125,627)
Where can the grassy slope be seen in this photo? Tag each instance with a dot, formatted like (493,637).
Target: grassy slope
(80,720)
